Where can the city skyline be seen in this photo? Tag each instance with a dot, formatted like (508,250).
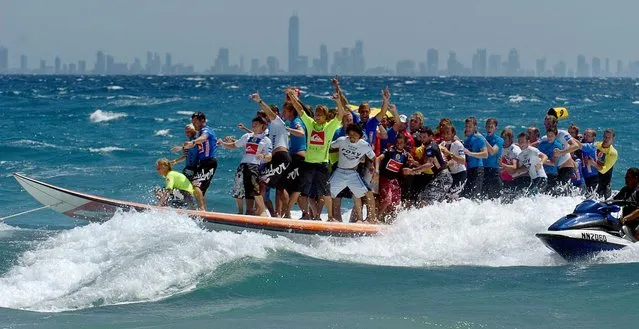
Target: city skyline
(193,30)
(346,61)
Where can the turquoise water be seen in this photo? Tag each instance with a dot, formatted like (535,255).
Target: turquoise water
(461,265)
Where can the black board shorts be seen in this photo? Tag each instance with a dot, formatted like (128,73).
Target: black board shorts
(246,184)
(293,178)
(274,172)
(315,180)
(204,174)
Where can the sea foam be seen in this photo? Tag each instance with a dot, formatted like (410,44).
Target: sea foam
(104,116)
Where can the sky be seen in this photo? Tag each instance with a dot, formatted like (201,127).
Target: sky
(193,30)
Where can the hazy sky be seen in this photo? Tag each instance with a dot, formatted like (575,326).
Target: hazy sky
(193,30)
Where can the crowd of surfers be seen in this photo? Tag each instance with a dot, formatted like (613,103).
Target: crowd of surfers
(383,160)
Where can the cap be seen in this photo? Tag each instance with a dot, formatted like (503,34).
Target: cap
(403,118)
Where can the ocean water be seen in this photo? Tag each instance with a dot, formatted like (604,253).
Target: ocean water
(461,265)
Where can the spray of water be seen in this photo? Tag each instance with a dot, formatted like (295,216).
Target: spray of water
(139,257)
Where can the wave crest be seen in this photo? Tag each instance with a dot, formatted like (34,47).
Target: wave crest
(105,116)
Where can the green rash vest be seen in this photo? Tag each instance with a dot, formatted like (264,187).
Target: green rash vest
(176,180)
(318,138)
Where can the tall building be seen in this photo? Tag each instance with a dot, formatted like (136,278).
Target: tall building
(293,44)
(512,66)
(596,67)
(168,65)
(454,67)
(559,70)
(479,63)
(43,66)
(4,59)
(272,65)
(357,58)
(100,63)
(582,67)
(82,67)
(110,64)
(607,68)
(541,66)
(432,62)
(58,68)
(620,72)
(24,68)
(323,60)
(222,62)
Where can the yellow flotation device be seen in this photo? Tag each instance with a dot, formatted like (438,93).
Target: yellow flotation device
(558,112)
(374,110)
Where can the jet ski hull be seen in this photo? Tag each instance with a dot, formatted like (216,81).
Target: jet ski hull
(581,244)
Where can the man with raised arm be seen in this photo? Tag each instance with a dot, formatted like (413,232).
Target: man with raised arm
(257,150)
(319,134)
(205,141)
(275,171)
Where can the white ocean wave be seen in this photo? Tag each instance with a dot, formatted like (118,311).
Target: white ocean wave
(516,99)
(162,132)
(113,88)
(106,149)
(104,116)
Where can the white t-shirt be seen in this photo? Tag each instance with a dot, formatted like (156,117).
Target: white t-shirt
(277,133)
(529,158)
(254,145)
(563,137)
(510,153)
(456,148)
(351,153)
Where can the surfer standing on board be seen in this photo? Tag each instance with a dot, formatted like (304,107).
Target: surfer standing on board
(205,142)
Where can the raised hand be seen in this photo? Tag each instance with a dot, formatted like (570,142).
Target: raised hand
(177,149)
(386,94)
(335,82)
(291,94)
(256,97)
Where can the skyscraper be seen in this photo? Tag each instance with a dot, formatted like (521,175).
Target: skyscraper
(82,67)
(273,65)
(582,67)
(100,63)
(541,66)
(512,66)
(323,60)
(24,68)
(560,69)
(4,60)
(479,63)
(168,66)
(293,44)
(358,64)
(432,62)
(596,67)
(58,63)
(222,62)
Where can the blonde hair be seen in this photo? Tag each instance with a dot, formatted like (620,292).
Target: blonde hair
(190,126)
(164,162)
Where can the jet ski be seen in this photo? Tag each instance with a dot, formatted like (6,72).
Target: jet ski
(591,228)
